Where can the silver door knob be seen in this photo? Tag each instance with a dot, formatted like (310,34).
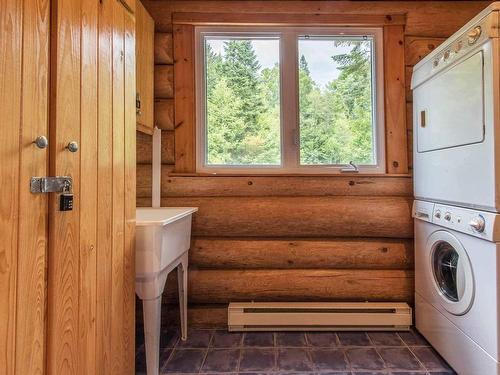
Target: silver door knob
(72,146)
(478,224)
(41,142)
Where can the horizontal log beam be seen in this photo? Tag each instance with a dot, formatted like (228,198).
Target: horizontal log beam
(164,81)
(164,114)
(163,48)
(145,148)
(318,217)
(288,19)
(424,18)
(285,186)
(224,253)
(416,48)
(224,286)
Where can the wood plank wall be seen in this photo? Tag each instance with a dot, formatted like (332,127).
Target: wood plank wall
(292,238)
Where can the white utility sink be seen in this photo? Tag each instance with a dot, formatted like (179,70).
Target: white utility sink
(163,238)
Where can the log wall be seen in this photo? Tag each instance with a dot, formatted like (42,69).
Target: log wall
(290,238)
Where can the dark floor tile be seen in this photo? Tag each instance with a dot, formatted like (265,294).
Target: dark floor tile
(370,373)
(164,356)
(385,339)
(322,339)
(413,338)
(353,339)
(257,360)
(221,360)
(293,359)
(184,361)
(258,339)
(410,373)
(430,359)
(225,339)
(329,359)
(168,338)
(399,359)
(140,361)
(364,359)
(196,338)
(290,339)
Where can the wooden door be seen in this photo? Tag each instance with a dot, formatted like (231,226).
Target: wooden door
(24,72)
(145,37)
(91,300)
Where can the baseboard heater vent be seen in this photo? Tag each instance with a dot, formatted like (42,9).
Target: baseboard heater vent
(319,316)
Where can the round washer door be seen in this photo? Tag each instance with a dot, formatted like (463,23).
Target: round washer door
(451,271)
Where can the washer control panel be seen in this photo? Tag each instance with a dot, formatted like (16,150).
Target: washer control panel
(480,224)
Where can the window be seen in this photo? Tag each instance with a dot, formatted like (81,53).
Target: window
(289,100)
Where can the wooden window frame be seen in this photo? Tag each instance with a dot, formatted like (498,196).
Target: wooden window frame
(289,99)
(396,156)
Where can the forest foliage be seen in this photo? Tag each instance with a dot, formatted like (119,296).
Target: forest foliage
(243,108)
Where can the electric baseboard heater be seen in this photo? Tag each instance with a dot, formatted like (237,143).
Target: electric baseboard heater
(328,316)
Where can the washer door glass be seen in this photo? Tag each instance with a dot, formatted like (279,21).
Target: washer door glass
(448,273)
(452,272)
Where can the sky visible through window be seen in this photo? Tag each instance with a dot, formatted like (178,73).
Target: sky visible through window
(318,52)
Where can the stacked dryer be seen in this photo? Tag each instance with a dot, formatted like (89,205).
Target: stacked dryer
(456,101)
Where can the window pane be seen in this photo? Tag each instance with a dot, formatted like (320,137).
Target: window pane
(242,101)
(336,100)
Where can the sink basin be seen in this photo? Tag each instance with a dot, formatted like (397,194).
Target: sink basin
(163,238)
(162,235)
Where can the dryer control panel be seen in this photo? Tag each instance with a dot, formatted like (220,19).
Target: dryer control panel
(481,224)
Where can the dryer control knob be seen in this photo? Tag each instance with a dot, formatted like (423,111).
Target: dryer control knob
(473,35)
(478,224)
(447,216)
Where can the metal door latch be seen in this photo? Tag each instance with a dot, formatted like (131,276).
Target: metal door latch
(56,184)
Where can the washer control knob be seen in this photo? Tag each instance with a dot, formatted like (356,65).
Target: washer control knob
(474,34)
(478,224)
(447,216)
(446,55)
(438,214)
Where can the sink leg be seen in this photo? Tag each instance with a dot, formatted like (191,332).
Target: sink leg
(152,325)
(182,279)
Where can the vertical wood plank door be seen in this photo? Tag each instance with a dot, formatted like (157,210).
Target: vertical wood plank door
(90,314)
(24,72)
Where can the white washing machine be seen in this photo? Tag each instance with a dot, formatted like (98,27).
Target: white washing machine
(457,271)
(456,117)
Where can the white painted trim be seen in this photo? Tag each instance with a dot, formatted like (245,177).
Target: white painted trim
(156,173)
(290,162)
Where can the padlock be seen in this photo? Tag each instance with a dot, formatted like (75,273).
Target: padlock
(66,199)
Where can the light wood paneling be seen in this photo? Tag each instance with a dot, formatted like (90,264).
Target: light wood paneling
(224,286)
(299,216)
(163,81)
(118,217)
(145,30)
(64,228)
(185,133)
(225,253)
(128,323)
(88,189)
(164,114)
(24,37)
(394,94)
(164,53)
(104,189)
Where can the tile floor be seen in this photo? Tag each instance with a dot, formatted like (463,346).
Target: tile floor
(341,353)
